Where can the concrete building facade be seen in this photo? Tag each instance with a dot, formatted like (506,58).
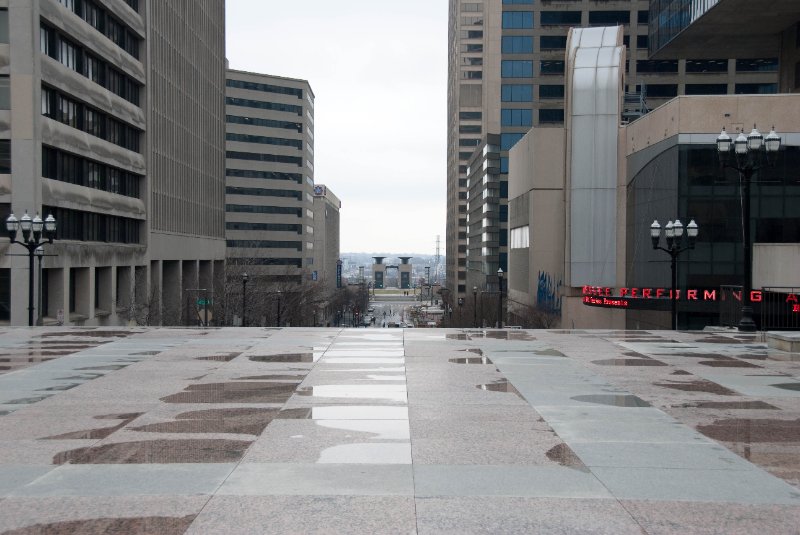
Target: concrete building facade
(269,199)
(113,124)
(326,236)
(507,75)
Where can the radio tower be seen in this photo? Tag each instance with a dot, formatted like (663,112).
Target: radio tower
(436,261)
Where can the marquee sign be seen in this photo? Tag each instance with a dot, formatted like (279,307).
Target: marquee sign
(660,298)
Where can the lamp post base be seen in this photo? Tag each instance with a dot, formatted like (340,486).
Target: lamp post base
(746,324)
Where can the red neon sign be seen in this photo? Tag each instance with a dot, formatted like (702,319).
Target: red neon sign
(756,296)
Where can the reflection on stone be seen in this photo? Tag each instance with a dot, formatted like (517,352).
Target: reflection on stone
(102,432)
(291,357)
(501,386)
(752,430)
(700,385)
(161,525)
(471,360)
(732,405)
(615,400)
(629,362)
(227,357)
(233,392)
(243,421)
(788,386)
(725,363)
(157,452)
(563,455)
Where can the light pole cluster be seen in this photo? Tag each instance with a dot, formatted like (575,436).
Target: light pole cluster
(244,299)
(749,151)
(674,234)
(499,298)
(31,229)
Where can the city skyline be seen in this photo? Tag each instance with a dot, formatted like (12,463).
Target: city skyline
(378,73)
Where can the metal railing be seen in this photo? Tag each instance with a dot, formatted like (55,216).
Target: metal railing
(779,308)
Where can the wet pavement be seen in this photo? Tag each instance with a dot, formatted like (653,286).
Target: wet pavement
(164,431)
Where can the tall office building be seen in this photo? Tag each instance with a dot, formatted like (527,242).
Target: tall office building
(506,75)
(326,236)
(112,122)
(270,178)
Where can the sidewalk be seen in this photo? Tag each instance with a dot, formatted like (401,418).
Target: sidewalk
(396,431)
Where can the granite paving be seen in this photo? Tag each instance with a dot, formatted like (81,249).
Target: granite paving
(302,430)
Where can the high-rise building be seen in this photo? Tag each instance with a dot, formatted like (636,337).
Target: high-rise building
(270,178)
(326,236)
(506,75)
(112,117)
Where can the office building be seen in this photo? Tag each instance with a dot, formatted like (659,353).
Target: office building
(507,75)
(326,236)
(269,183)
(113,123)
(582,199)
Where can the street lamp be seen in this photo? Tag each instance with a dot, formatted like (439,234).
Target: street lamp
(244,299)
(674,232)
(31,239)
(39,252)
(279,308)
(475,307)
(748,150)
(499,298)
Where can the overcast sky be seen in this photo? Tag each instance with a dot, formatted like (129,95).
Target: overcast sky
(378,69)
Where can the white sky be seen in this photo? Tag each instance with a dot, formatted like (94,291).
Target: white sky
(378,69)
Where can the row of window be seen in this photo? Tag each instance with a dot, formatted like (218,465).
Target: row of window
(265,244)
(268,175)
(75,57)
(5,156)
(524,68)
(4,25)
(66,167)
(101,20)
(90,226)
(272,227)
(265,140)
(268,123)
(266,88)
(64,109)
(261,192)
(262,105)
(250,261)
(251,209)
(524,19)
(260,157)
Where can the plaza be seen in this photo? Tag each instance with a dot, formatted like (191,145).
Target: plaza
(292,430)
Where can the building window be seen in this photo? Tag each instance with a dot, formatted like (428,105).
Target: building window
(505,2)
(470,115)
(517,44)
(469,129)
(516,69)
(756,89)
(661,90)
(470,47)
(757,65)
(3,25)
(551,91)
(520,237)
(551,116)
(471,75)
(508,140)
(516,117)
(553,42)
(706,65)
(516,93)
(472,7)
(517,19)
(656,65)
(551,67)
(561,18)
(5,93)
(265,88)
(642,41)
(5,156)
(471,34)
(609,18)
(706,89)
(261,105)
(643,17)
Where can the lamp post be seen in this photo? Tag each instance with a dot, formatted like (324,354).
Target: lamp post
(499,298)
(244,299)
(31,240)
(748,152)
(475,307)
(279,308)
(674,232)
(39,252)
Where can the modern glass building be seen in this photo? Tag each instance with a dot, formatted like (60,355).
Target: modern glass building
(506,75)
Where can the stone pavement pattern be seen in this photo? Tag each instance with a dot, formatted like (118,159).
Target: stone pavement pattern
(396,431)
